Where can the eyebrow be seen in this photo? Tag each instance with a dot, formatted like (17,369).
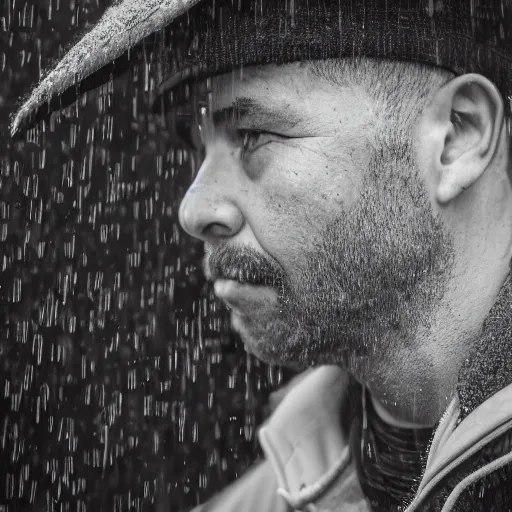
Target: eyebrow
(258,114)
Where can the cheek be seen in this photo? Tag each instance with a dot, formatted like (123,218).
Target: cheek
(290,224)
(330,178)
(287,217)
(297,195)
(311,194)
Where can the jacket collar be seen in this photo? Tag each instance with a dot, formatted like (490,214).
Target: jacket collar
(306,445)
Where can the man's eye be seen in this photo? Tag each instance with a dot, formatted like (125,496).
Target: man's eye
(251,140)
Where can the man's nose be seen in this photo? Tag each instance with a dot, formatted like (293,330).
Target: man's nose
(209,211)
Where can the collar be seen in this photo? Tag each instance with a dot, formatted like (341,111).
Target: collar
(303,439)
(453,444)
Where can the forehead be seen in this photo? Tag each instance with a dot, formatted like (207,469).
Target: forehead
(291,86)
(283,82)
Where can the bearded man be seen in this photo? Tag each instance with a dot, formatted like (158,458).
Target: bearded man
(356,208)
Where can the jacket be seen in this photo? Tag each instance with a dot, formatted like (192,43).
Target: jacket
(308,465)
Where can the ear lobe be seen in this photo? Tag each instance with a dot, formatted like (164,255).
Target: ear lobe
(470,112)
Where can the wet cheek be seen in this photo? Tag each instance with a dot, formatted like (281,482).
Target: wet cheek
(299,196)
(303,192)
(290,220)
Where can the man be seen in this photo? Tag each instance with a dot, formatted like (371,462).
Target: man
(356,207)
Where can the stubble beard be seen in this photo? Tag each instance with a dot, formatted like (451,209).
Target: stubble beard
(372,280)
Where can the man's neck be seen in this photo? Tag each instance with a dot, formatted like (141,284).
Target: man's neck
(392,420)
(413,390)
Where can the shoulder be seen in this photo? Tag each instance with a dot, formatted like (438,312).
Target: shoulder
(469,466)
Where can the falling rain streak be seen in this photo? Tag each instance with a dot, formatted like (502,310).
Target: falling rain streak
(120,385)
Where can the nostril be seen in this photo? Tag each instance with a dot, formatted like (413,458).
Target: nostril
(217,229)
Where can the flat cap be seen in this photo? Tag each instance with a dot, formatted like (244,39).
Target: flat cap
(214,36)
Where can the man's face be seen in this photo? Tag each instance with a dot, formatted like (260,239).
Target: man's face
(318,237)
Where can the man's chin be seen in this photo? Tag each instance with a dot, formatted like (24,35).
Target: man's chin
(270,341)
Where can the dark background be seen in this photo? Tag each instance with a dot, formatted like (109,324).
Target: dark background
(121,387)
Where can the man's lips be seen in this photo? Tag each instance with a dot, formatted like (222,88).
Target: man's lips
(244,296)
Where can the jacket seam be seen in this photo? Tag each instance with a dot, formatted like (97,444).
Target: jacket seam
(474,477)
(428,487)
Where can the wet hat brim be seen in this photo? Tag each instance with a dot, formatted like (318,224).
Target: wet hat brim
(88,63)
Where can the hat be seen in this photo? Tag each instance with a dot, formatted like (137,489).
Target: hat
(208,37)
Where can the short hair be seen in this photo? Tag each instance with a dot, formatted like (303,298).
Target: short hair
(400,89)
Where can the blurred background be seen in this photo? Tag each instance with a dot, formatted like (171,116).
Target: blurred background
(121,386)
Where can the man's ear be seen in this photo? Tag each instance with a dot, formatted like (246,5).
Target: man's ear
(466,117)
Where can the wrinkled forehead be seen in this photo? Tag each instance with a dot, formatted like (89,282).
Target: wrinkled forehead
(290,97)
(271,92)
(294,88)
